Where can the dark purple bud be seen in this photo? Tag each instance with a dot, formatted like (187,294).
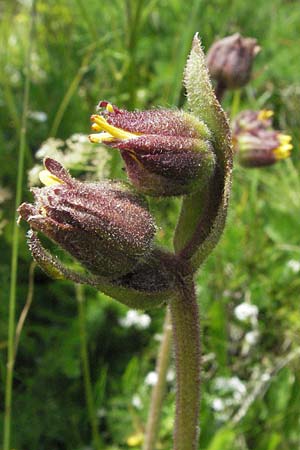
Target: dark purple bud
(104,225)
(229,60)
(166,152)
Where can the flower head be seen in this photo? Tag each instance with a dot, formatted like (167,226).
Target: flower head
(229,60)
(256,143)
(166,152)
(103,225)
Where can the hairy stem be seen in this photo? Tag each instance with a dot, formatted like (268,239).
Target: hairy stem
(15,246)
(186,336)
(85,366)
(158,391)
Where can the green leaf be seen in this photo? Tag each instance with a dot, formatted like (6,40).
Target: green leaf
(223,440)
(203,214)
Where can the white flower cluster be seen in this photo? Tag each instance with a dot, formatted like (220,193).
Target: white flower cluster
(230,393)
(76,154)
(294,265)
(38,116)
(246,312)
(151,378)
(135,319)
(5,195)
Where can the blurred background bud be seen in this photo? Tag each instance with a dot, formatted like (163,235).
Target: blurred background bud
(104,225)
(229,61)
(255,142)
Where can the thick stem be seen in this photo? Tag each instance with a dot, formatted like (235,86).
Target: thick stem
(186,336)
(158,391)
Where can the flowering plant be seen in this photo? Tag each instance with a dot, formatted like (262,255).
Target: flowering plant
(106,226)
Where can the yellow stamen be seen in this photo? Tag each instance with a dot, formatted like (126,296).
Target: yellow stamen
(115,132)
(283,151)
(284,138)
(135,440)
(95,127)
(265,114)
(48,179)
(109,107)
(98,138)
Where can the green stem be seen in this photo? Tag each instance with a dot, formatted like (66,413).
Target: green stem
(235,105)
(186,336)
(85,366)
(158,391)
(133,24)
(71,90)
(15,244)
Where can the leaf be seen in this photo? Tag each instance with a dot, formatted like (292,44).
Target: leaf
(203,214)
(223,440)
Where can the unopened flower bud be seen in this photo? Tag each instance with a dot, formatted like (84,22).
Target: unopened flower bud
(166,152)
(103,225)
(256,143)
(229,60)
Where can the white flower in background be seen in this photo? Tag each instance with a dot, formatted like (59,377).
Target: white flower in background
(51,147)
(101,412)
(170,375)
(230,385)
(136,319)
(151,378)
(26,3)
(5,194)
(158,337)
(251,337)
(246,311)
(237,385)
(218,404)
(76,153)
(265,377)
(39,116)
(294,265)
(136,401)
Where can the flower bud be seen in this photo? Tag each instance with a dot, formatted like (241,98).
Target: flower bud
(104,225)
(165,152)
(229,60)
(256,143)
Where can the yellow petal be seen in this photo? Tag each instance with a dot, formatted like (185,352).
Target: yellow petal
(265,114)
(283,151)
(115,132)
(135,439)
(284,138)
(109,107)
(97,138)
(48,179)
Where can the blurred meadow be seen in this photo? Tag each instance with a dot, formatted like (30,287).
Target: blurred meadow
(84,365)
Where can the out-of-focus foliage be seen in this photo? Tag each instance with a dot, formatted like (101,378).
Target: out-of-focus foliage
(132,53)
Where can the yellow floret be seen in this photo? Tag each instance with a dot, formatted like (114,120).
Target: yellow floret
(48,179)
(265,114)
